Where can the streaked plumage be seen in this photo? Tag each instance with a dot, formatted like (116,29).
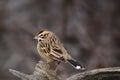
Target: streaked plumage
(51,49)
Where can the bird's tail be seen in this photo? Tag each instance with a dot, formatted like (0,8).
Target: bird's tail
(75,64)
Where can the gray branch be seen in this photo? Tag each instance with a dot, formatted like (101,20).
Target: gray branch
(19,74)
(98,74)
(42,72)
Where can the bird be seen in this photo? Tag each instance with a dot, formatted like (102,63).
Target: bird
(51,49)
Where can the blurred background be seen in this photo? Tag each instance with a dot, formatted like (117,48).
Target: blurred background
(89,29)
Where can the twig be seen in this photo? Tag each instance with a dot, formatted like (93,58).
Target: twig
(20,75)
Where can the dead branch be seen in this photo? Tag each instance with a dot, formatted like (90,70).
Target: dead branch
(98,74)
(42,72)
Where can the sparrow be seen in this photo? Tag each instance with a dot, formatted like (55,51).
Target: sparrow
(52,50)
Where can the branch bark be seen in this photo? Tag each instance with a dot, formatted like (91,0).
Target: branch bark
(98,74)
(42,72)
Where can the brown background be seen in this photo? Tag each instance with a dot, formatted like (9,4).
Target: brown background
(89,29)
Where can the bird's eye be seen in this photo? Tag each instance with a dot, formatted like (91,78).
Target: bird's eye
(42,36)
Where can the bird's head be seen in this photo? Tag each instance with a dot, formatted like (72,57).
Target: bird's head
(43,35)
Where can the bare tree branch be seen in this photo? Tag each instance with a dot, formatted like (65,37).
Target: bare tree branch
(41,72)
(98,74)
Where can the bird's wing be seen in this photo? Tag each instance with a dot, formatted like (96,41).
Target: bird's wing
(57,53)
(54,52)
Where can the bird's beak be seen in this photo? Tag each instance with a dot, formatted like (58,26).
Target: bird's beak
(36,37)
